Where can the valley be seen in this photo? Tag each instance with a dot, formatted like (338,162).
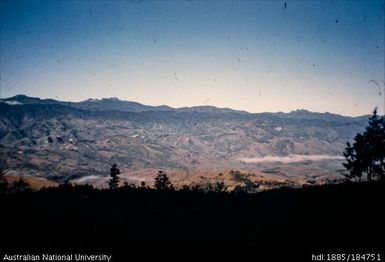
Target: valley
(77,142)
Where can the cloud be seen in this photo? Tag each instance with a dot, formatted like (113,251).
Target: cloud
(290,158)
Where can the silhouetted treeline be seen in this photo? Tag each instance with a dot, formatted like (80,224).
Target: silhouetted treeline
(18,186)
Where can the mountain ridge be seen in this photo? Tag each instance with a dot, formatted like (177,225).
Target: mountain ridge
(114,103)
(64,141)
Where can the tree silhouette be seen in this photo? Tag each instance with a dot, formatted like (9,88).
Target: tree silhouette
(114,174)
(367,153)
(219,187)
(162,182)
(375,136)
(19,186)
(356,158)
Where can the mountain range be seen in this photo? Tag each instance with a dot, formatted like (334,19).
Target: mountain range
(78,141)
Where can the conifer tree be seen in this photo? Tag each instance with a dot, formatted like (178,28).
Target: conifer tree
(114,174)
(162,182)
(367,153)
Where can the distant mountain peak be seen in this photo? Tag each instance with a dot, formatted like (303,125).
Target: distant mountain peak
(113,98)
(91,100)
(300,111)
(20,96)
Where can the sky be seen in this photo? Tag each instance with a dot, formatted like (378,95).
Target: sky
(258,56)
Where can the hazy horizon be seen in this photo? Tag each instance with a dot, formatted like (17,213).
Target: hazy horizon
(256,56)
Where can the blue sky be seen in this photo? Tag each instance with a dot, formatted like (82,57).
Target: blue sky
(252,55)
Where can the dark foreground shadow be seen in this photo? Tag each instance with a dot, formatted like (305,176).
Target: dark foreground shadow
(148,222)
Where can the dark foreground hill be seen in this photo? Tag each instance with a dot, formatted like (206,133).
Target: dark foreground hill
(284,222)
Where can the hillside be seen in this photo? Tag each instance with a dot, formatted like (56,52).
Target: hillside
(62,141)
